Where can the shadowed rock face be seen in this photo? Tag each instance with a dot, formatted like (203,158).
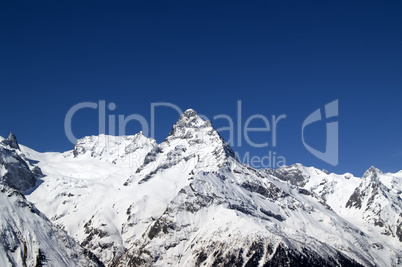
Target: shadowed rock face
(293,174)
(11,141)
(15,171)
(14,168)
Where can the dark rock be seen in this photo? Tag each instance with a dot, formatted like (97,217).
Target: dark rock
(289,173)
(355,200)
(11,141)
(18,175)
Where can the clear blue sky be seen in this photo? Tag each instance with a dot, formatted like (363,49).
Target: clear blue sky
(277,57)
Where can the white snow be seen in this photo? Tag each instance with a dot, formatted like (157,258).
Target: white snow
(24,232)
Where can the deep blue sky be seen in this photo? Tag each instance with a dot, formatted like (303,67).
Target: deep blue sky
(278,57)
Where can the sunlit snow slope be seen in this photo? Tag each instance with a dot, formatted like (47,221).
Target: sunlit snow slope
(27,237)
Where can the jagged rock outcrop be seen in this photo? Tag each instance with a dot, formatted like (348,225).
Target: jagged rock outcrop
(295,174)
(14,171)
(11,141)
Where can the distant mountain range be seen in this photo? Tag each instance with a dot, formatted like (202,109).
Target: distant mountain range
(128,201)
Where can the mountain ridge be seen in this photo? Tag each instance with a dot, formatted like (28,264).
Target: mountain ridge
(188,201)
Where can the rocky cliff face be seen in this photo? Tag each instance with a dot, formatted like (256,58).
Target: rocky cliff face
(11,141)
(14,169)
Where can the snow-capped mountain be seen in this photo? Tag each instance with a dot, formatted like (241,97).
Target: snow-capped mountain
(372,202)
(192,146)
(188,202)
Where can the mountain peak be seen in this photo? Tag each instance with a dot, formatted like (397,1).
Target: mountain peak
(372,172)
(190,113)
(189,120)
(11,141)
(193,142)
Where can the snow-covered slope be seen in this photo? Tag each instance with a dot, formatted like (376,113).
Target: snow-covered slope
(376,202)
(83,190)
(233,217)
(28,238)
(373,202)
(114,149)
(333,189)
(187,201)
